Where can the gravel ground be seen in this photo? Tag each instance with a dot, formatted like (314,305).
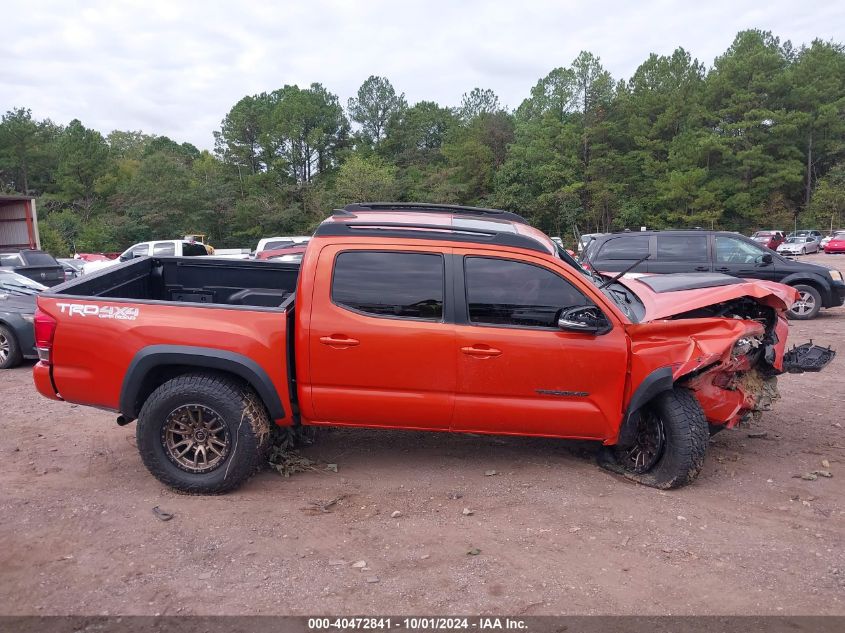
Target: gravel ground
(554,533)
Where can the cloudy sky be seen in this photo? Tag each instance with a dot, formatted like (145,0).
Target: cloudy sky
(176,67)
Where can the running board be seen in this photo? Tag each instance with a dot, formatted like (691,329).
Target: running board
(807,357)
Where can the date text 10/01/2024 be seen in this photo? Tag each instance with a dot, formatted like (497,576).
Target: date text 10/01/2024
(416,623)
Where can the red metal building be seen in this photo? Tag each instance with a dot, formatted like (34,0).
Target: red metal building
(18,223)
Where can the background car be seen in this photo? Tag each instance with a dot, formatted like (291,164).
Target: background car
(284,253)
(37,265)
(826,239)
(17,308)
(836,244)
(275,243)
(72,267)
(799,245)
(814,233)
(717,252)
(769,239)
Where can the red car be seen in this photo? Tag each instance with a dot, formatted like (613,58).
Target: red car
(836,244)
(287,254)
(769,239)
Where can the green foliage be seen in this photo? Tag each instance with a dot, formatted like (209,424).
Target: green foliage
(756,141)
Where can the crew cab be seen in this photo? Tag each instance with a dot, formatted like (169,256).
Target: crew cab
(413,316)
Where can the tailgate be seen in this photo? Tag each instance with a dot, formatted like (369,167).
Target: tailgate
(47,275)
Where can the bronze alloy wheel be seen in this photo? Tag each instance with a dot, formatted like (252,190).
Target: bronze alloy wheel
(195,438)
(648,446)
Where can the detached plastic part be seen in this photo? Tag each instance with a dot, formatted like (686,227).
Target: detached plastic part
(807,357)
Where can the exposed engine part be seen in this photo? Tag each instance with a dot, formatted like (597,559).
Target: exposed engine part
(807,357)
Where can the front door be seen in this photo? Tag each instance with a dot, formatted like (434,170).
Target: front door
(517,371)
(380,348)
(739,258)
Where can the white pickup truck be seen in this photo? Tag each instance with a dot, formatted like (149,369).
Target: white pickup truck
(159,248)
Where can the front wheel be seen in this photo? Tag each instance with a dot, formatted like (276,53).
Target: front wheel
(671,440)
(203,433)
(808,305)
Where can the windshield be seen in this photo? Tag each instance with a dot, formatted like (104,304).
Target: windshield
(763,234)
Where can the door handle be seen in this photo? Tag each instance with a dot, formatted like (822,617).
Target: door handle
(481,352)
(702,268)
(339,341)
(723,269)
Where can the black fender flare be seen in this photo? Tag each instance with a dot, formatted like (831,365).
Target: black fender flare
(203,357)
(812,279)
(658,381)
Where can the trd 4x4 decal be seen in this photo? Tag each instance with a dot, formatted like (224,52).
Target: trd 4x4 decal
(119,313)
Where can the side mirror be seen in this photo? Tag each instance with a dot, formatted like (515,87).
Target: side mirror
(125,258)
(766,259)
(586,319)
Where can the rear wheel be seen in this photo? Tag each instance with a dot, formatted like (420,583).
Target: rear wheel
(10,351)
(808,305)
(671,440)
(203,433)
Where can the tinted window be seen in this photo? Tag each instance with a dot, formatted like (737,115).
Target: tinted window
(277,244)
(731,250)
(408,285)
(39,259)
(193,250)
(142,250)
(164,248)
(625,247)
(682,248)
(505,292)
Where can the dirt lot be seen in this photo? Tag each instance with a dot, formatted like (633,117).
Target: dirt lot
(556,534)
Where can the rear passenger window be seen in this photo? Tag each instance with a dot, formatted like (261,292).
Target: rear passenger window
(682,248)
(625,247)
(403,285)
(505,292)
(164,249)
(193,249)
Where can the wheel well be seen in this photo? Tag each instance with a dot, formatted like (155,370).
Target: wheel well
(161,374)
(155,365)
(813,284)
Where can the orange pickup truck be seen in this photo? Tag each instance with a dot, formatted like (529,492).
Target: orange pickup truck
(412,316)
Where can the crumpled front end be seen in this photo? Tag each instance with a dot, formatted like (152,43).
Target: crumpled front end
(728,354)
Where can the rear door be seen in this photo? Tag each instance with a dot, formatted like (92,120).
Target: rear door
(517,371)
(381,349)
(618,252)
(681,253)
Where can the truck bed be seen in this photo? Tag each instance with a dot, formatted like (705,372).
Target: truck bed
(208,314)
(190,280)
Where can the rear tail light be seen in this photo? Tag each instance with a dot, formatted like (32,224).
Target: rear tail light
(45,329)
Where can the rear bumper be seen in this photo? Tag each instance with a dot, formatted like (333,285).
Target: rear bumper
(43,381)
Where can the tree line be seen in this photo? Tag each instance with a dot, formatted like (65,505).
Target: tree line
(755,141)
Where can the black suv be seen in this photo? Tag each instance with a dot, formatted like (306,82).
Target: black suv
(37,265)
(721,252)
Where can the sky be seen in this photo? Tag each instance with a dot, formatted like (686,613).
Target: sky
(175,68)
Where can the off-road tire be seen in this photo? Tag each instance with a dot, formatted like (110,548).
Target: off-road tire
(817,298)
(14,356)
(687,434)
(240,410)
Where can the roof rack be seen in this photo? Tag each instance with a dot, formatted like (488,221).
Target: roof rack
(430,232)
(423,207)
